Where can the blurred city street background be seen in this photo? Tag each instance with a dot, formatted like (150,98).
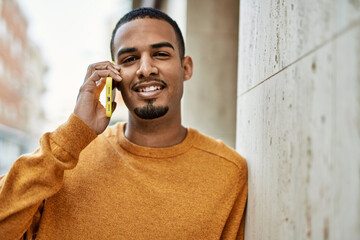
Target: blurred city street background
(46,47)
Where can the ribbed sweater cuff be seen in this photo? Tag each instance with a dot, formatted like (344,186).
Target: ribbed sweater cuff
(73,136)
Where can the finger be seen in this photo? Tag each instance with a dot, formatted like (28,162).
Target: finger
(117,67)
(106,65)
(98,74)
(116,79)
(95,83)
(90,71)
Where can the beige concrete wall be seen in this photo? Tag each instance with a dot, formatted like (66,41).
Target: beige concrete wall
(209,102)
(298,119)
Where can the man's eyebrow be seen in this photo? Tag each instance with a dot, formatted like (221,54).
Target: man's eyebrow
(126,50)
(162,44)
(155,45)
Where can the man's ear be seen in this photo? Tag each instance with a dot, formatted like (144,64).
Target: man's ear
(188,67)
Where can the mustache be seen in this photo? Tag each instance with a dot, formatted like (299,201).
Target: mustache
(144,80)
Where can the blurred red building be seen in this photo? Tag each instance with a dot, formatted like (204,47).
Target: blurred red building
(21,86)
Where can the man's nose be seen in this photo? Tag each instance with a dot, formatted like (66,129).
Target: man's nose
(146,68)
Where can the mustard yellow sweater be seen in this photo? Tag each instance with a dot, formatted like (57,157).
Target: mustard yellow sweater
(82,186)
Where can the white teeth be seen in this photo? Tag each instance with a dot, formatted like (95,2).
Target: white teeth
(149,89)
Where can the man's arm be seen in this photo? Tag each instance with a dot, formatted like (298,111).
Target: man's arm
(37,176)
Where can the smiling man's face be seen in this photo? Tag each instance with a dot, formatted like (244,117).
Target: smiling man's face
(152,71)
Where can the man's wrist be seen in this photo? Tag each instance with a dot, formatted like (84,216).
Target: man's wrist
(73,136)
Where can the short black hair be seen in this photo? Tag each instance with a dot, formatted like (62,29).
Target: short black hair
(140,13)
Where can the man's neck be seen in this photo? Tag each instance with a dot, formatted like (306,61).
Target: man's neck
(157,133)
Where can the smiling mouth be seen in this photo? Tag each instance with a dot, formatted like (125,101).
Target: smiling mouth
(148,85)
(149,89)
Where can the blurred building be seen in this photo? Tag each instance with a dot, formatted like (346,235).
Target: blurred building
(21,86)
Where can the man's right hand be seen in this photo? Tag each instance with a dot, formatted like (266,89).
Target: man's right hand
(88,107)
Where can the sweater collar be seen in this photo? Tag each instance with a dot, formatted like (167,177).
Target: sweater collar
(149,152)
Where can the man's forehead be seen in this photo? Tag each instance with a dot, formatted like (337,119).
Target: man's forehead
(144,29)
(147,26)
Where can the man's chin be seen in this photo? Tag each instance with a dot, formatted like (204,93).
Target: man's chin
(150,111)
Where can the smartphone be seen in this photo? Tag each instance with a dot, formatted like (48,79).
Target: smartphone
(110,96)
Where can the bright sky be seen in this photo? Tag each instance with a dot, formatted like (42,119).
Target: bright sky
(71,35)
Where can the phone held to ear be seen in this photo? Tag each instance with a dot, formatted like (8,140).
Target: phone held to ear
(110,96)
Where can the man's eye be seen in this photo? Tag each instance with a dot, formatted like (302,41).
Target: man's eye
(129,59)
(161,54)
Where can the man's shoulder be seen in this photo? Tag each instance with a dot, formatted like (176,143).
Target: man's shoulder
(114,129)
(218,148)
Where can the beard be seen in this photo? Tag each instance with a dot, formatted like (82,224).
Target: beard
(150,111)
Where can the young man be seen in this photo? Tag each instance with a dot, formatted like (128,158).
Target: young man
(150,178)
